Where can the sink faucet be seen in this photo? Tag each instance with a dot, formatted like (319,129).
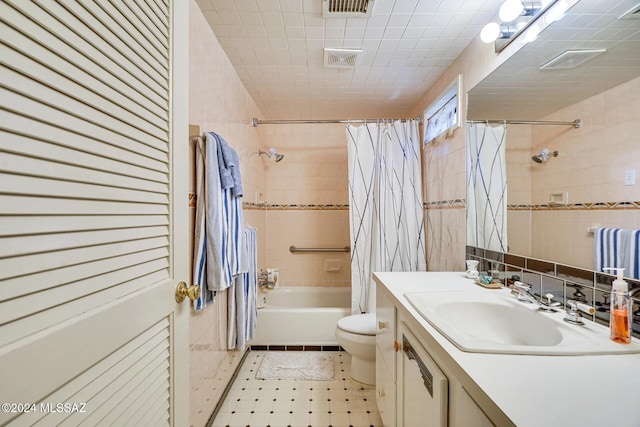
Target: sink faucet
(573,312)
(522,291)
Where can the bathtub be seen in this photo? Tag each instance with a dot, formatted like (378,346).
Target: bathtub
(300,315)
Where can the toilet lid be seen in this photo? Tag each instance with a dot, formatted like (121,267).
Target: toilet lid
(363,324)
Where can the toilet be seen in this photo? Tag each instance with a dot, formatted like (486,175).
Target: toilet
(357,335)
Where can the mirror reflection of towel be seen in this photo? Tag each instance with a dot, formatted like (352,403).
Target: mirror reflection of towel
(616,247)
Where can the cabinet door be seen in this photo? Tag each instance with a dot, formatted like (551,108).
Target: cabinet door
(464,410)
(386,324)
(423,397)
(385,392)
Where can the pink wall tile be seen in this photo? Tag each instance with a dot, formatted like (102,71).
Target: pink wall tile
(219,102)
(590,168)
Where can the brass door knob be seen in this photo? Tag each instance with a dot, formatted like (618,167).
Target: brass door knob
(183,291)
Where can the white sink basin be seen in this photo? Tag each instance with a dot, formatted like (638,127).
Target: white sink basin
(495,322)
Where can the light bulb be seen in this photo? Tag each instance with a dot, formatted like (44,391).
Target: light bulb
(490,32)
(510,10)
(532,34)
(556,12)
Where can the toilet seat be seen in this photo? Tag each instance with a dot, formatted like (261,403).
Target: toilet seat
(361,324)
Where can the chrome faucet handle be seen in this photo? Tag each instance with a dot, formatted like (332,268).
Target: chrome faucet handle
(549,297)
(549,305)
(573,314)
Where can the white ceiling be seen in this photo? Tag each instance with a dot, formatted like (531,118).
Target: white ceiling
(518,90)
(276,46)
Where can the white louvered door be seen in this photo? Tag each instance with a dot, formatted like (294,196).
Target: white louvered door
(93,212)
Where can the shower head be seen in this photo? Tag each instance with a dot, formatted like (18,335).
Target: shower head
(544,155)
(272,154)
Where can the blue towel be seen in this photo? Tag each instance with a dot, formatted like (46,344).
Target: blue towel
(630,253)
(229,166)
(209,271)
(619,248)
(242,299)
(202,274)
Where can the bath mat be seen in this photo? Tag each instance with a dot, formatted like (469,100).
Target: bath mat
(296,365)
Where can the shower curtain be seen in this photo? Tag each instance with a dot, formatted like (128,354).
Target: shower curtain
(385,205)
(486,186)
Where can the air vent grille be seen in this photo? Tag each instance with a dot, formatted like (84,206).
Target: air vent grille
(571,59)
(346,8)
(341,58)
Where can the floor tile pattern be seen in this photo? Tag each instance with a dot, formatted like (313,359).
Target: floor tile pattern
(342,402)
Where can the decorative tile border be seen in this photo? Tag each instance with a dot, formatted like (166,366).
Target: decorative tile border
(294,207)
(453,204)
(296,348)
(578,206)
(446,204)
(439,204)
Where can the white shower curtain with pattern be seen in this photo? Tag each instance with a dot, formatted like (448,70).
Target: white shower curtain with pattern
(486,186)
(386,212)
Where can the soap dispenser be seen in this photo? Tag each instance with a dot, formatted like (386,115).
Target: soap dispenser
(620,321)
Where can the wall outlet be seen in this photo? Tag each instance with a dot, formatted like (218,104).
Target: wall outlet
(630,177)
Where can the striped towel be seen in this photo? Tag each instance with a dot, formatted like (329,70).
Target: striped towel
(205,246)
(630,252)
(616,247)
(216,229)
(242,298)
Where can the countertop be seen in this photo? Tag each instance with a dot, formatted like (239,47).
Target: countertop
(589,390)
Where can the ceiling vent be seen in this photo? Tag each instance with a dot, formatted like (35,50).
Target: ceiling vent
(341,58)
(633,13)
(347,8)
(571,59)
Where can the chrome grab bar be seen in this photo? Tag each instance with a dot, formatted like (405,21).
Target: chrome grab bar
(293,249)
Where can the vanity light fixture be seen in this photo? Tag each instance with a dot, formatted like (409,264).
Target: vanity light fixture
(518,16)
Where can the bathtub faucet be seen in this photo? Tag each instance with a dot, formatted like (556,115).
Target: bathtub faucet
(265,279)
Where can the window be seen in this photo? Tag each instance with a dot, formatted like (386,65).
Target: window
(443,116)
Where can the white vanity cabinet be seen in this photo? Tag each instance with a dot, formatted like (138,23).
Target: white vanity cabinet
(415,387)
(386,347)
(422,388)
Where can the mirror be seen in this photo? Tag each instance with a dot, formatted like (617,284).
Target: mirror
(591,182)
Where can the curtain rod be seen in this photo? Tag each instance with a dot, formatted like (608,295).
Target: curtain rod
(255,122)
(576,123)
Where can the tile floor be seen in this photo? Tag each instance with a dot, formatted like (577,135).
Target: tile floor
(342,402)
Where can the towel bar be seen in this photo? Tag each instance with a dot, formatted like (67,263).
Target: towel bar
(293,249)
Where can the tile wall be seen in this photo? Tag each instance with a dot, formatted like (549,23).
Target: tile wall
(218,102)
(306,203)
(590,168)
(565,282)
(444,175)
(600,151)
